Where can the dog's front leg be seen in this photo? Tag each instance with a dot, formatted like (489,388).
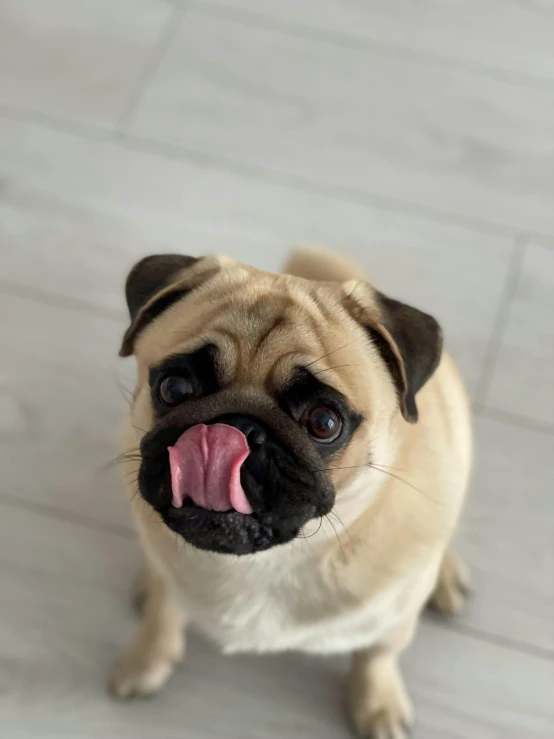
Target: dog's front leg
(158,645)
(379,705)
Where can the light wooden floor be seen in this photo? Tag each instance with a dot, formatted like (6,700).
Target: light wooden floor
(415,136)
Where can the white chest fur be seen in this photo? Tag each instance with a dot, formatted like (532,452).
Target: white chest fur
(265,603)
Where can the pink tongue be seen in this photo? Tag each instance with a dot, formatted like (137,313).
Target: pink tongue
(205,466)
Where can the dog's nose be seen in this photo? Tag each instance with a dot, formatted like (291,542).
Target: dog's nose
(255,433)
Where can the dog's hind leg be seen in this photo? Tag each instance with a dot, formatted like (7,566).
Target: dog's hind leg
(141,588)
(452,585)
(159,644)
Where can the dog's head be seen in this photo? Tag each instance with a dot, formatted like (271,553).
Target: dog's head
(259,395)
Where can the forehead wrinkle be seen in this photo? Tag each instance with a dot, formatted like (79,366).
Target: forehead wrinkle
(314,332)
(325,311)
(252,328)
(258,321)
(265,306)
(299,327)
(337,362)
(279,322)
(229,356)
(312,348)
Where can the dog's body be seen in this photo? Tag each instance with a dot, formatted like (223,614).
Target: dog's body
(357,576)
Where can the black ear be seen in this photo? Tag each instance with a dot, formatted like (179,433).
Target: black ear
(409,340)
(151,275)
(153,285)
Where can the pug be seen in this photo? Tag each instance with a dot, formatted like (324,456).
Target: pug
(296,455)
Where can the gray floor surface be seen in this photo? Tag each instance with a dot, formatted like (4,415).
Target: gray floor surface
(417,137)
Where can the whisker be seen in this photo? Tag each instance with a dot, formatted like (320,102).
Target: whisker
(409,484)
(331,352)
(336,532)
(129,453)
(357,466)
(130,458)
(315,532)
(307,539)
(347,467)
(388,467)
(134,495)
(339,519)
(338,366)
(131,477)
(116,461)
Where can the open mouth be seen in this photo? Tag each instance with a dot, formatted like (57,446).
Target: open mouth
(228,531)
(229,486)
(205,463)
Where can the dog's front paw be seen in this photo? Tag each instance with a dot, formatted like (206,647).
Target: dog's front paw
(141,671)
(393,721)
(379,707)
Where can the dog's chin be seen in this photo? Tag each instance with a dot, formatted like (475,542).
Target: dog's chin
(230,532)
(224,532)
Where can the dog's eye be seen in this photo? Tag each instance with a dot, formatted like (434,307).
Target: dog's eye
(174,389)
(321,422)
